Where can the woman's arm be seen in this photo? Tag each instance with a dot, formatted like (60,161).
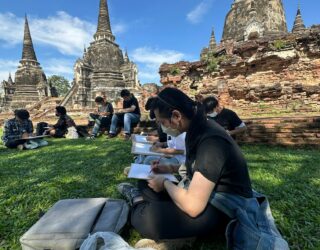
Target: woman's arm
(192,201)
(169,151)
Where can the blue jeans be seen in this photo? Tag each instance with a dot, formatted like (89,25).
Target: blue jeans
(128,119)
(149,159)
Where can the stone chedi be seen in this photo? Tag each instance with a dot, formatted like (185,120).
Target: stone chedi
(298,25)
(280,70)
(8,91)
(212,46)
(103,69)
(30,84)
(249,19)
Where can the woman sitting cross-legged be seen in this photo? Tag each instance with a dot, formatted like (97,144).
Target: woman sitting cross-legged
(162,211)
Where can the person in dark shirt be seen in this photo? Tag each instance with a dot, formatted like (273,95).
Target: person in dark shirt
(64,122)
(214,162)
(129,114)
(16,129)
(102,117)
(226,118)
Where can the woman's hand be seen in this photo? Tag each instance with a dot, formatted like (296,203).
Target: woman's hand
(157,183)
(152,138)
(158,168)
(156,149)
(25,136)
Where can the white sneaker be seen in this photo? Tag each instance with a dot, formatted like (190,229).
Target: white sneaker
(31,145)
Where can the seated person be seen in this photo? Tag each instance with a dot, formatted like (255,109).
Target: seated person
(102,117)
(162,210)
(129,114)
(226,118)
(161,136)
(16,129)
(19,128)
(174,146)
(64,122)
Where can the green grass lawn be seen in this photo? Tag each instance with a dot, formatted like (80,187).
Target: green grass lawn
(32,181)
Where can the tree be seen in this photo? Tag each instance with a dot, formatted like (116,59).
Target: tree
(61,84)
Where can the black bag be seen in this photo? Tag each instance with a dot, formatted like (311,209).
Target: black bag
(41,128)
(82,131)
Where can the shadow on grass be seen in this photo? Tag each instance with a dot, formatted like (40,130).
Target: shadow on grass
(32,181)
(290,179)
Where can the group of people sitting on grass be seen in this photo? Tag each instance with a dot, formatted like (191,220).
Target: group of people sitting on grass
(19,133)
(215,193)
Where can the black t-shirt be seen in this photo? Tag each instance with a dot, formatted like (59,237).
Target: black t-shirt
(219,159)
(132,101)
(223,164)
(228,119)
(107,108)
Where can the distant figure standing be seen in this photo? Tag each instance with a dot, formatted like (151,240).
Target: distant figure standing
(16,129)
(102,117)
(129,114)
(226,118)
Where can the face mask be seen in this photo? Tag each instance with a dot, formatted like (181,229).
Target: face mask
(170,131)
(100,106)
(214,114)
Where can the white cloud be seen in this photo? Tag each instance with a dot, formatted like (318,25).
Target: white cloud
(195,16)
(7,66)
(52,66)
(57,66)
(61,31)
(150,59)
(119,28)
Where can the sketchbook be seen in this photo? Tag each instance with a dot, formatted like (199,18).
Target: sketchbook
(33,137)
(140,139)
(143,172)
(139,148)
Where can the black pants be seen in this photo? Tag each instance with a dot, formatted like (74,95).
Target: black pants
(14,143)
(157,217)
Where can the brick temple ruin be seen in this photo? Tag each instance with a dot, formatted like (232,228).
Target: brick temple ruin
(259,69)
(104,68)
(30,85)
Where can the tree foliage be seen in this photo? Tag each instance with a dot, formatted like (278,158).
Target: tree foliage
(61,84)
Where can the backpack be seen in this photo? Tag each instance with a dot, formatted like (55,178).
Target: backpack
(69,222)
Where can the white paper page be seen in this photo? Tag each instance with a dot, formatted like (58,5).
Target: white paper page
(140,139)
(141,171)
(143,149)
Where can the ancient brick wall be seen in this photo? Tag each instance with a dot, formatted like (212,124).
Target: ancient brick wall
(281,73)
(282,131)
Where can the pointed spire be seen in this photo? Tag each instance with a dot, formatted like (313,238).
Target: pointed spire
(298,22)
(10,79)
(213,43)
(126,57)
(28,50)
(104,27)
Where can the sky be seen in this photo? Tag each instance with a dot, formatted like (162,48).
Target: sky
(152,31)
